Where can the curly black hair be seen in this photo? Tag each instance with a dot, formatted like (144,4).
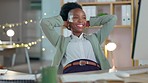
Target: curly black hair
(67,7)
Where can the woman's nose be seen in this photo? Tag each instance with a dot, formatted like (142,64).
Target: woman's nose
(80,20)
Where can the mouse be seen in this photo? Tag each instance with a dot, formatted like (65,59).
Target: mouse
(122,74)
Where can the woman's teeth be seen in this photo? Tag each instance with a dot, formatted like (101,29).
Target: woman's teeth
(80,25)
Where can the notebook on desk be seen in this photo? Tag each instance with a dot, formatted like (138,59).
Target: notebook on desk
(89,77)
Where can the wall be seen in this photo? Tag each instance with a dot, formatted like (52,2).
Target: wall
(49,8)
(122,54)
(31,32)
(10,13)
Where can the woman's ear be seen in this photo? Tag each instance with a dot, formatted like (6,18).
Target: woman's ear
(66,24)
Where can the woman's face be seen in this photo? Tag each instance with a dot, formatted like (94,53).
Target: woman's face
(77,21)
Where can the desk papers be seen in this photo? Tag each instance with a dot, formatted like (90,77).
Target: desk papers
(18,77)
(3,71)
(89,77)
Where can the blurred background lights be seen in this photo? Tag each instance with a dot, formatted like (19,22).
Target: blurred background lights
(0,42)
(10,33)
(111,46)
(43,36)
(31,20)
(45,14)
(43,49)
(26,22)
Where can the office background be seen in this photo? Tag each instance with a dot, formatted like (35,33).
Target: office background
(20,11)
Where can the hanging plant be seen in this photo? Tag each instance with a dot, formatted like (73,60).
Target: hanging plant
(101,14)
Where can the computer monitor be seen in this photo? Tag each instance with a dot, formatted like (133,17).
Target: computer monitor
(140,42)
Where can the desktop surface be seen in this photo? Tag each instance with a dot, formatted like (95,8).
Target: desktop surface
(137,75)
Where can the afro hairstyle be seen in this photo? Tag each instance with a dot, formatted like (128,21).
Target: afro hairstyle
(67,7)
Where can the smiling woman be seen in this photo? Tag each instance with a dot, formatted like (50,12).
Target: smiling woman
(79,52)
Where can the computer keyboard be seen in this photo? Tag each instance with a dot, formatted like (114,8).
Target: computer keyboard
(18,78)
(18,81)
(137,71)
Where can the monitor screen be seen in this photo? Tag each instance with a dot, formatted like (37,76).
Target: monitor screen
(140,42)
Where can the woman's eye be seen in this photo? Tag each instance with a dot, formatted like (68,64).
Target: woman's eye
(84,17)
(75,17)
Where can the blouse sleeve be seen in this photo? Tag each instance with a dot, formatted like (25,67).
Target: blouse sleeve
(107,22)
(48,25)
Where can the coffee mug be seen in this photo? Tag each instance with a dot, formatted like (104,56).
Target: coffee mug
(49,74)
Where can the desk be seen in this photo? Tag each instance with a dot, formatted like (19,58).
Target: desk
(7,52)
(11,50)
(138,78)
